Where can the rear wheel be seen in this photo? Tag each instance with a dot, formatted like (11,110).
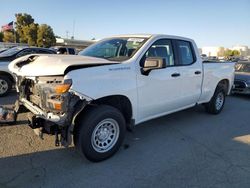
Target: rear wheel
(5,85)
(216,104)
(99,134)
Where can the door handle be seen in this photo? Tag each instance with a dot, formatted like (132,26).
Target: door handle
(175,74)
(197,72)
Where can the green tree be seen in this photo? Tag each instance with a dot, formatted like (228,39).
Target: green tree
(1,36)
(22,21)
(8,37)
(30,33)
(45,36)
(235,53)
(228,53)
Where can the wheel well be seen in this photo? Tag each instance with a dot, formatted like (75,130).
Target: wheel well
(120,102)
(225,84)
(2,73)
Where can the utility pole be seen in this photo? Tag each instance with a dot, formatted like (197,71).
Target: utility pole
(67,34)
(73,32)
(14,32)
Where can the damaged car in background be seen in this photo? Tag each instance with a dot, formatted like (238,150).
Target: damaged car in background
(114,84)
(242,78)
(7,80)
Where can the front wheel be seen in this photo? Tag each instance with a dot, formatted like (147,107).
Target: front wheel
(100,132)
(5,85)
(216,104)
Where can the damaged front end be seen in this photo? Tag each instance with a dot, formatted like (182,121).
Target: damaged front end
(51,105)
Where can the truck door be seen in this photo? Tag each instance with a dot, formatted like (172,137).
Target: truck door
(190,69)
(159,91)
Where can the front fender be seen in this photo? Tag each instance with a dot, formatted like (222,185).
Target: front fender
(102,81)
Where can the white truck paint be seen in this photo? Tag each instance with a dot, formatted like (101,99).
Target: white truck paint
(160,91)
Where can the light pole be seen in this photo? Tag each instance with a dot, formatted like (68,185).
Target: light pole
(44,40)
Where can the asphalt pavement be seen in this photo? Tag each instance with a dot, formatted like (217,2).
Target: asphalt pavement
(186,149)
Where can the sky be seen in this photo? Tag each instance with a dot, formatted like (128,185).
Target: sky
(209,23)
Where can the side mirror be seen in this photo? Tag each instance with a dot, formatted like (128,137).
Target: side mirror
(152,63)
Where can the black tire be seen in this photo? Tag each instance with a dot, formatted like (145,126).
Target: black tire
(87,142)
(5,81)
(211,106)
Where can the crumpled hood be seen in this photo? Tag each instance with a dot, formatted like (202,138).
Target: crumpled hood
(242,76)
(48,65)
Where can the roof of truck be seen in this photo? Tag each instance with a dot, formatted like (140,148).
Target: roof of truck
(151,35)
(134,35)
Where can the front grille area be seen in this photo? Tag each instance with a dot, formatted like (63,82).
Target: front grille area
(42,95)
(238,84)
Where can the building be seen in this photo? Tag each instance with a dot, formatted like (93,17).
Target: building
(213,51)
(78,44)
(244,50)
(200,51)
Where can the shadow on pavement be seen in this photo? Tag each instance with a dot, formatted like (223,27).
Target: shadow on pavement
(18,122)
(9,99)
(185,149)
(241,96)
(172,151)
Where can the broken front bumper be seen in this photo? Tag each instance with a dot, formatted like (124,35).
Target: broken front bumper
(39,113)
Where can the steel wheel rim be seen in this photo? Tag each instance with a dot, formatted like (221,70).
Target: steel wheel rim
(219,101)
(105,135)
(3,86)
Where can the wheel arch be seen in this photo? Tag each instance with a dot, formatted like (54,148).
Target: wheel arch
(120,102)
(7,74)
(225,84)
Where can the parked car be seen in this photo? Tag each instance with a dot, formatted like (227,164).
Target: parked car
(242,78)
(65,50)
(3,49)
(213,58)
(204,57)
(6,78)
(115,84)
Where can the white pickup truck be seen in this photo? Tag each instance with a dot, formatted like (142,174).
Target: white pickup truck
(115,84)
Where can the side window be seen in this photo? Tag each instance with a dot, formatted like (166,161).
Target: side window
(25,52)
(162,48)
(185,52)
(62,51)
(71,51)
(40,51)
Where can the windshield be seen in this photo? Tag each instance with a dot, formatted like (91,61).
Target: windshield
(115,49)
(242,67)
(10,51)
